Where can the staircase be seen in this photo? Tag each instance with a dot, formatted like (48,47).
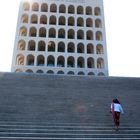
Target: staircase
(67,107)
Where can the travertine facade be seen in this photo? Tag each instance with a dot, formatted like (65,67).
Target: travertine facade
(61,37)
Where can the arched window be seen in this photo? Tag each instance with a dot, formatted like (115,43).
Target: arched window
(50,61)
(90,48)
(51,46)
(62,8)
(41,46)
(101,74)
(61,33)
(97,11)
(26,6)
(23,31)
(70,73)
(31,45)
(81,73)
(29,71)
(44,7)
(71,21)
(60,72)
(39,71)
(98,23)
(80,62)
(53,20)
(91,73)
(33,32)
(35,7)
(80,22)
(40,60)
(70,62)
(52,33)
(34,19)
(61,47)
(80,10)
(62,20)
(90,62)
(42,32)
(30,60)
(99,36)
(24,18)
(71,9)
(80,34)
(43,19)
(80,48)
(88,10)
(71,47)
(89,35)
(50,72)
(71,34)
(53,8)
(100,63)
(20,59)
(21,45)
(60,61)
(99,49)
(89,22)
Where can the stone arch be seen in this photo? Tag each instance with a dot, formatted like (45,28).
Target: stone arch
(90,48)
(50,61)
(71,34)
(50,72)
(80,34)
(20,59)
(33,32)
(43,19)
(99,36)
(62,8)
(23,31)
(61,33)
(98,23)
(90,62)
(24,18)
(40,60)
(89,22)
(70,61)
(26,6)
(53,8)
(71,47)
(52,20)
(41,46)
(101,74)
(35,6)
(80,48)
(100,63)
(29,71)
(88,10)
(71,9)
(89,35)
(97,11)
(52,32)
(80,21)
(62,20)
(91,73)
(60,61)
(61,47)
(42,32)
(34,19)
(18,70)
(71,73)
(39,71)
(30,60)
(80,62)
(80,10)
(71,21)
(99,49)
(21,45)
(51,46)
(60,72)
(44,7)
(31,45)
(81,73)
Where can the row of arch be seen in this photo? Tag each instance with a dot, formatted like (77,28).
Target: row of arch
(70,9)
(60,72)
(60,61)
(60,47)
(71,21)
(62,33)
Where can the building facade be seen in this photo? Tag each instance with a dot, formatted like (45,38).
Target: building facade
(61,37)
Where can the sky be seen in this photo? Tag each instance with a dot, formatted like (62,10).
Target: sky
(122,22)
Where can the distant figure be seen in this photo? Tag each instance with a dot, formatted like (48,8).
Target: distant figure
(116,110)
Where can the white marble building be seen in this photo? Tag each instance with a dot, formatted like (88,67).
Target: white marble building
(61,37)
